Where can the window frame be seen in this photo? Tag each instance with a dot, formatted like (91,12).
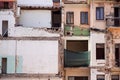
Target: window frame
(86,15)
(100,44)
(99,18)
(71,13)
(100,76)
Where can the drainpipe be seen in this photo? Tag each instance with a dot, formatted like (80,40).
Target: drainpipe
(15,56)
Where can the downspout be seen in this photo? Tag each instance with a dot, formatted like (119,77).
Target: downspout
(15,56)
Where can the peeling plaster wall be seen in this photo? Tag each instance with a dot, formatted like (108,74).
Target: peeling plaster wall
(76,8)
(7,15)
(96,38)
(32,32)
(33,57)
(100,24)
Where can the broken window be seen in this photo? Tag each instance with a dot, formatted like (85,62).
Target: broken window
(100,51)
(99,13)
(5,28)
(78,78)
(6,5)
(117,16)
(4,65)
(117,54)
(100,77)
(115,77)
(70,17)
(56,19)
(84,17)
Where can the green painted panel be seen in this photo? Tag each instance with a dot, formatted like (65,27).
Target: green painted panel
(77,31)
(10,64)
(19,64)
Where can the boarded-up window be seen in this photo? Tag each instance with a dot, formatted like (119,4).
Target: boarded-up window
(84,17)
(115,77)
(100,51)
(99,13)
(78,78)
(100,77)
(70,18)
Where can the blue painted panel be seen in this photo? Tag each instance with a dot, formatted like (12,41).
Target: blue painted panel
(10,64)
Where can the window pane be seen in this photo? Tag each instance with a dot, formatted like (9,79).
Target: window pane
(100,13)
(70,18)
(84,17)
(100,51)
(100,77)
(115,77)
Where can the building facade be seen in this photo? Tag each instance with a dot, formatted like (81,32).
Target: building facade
(59,40)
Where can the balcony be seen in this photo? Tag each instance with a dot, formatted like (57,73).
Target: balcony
(75,1)
(76,31)
(113,21)
(76,59)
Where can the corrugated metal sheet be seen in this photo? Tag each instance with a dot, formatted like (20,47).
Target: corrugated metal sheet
(48,3)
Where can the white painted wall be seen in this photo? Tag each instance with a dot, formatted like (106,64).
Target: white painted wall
(96,38)
(38,56)
(35,18)
(35,2)
(9,16)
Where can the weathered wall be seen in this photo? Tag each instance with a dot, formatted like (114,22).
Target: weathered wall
(35,18)
(32,56)
(100,24)
(96,38)
(76,8)
(35,2)
(7,15)
(77,72)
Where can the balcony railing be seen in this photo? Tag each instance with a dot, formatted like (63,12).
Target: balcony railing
(113,21)
(76,31)
(76,59)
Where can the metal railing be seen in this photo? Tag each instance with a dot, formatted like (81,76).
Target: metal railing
(113,21)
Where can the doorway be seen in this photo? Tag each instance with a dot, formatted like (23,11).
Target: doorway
(5,28)
(4,65)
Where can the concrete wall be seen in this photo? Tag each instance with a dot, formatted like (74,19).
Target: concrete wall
(76,8)
(35,2)
(35,18)
(32,56)
(96,38)
(100,24)
(7,15)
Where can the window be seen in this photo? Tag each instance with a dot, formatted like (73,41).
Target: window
(70,18)
(100,77)
(100,51)
(56,0)
(84,17)
(115,77)
(77,78)
(6,5)
(117,55)
(99,13)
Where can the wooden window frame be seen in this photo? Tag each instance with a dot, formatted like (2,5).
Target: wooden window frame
(86,16)
(71,16)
